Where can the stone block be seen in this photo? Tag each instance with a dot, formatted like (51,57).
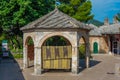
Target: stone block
(117,69)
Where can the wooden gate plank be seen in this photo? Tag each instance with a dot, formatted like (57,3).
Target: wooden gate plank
(56,57)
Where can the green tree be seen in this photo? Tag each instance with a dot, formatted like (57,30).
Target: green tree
(17,13)
(56,41)
(78,9)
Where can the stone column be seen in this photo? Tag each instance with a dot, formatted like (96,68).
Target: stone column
(109,46)
(87,61)
(75,60)
(25,58)
(87,55)
(37,61)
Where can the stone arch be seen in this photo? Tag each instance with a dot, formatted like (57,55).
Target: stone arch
(29,51)
(67,37)
(66,42)
(82,38)
(83,52)
(64,50)
(82,47)
(27,38)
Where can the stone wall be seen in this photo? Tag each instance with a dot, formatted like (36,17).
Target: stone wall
(102,44)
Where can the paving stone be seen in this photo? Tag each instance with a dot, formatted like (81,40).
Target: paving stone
(102,68)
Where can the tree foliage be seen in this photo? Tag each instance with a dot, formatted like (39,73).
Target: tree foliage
(78,9)
(56,41)
(17,13)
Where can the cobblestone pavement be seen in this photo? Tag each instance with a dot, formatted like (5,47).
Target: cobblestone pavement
(102,68)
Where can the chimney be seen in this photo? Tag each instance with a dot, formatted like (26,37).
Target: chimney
(106,21)
(115,20)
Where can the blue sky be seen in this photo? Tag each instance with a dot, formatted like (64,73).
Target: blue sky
(105,8)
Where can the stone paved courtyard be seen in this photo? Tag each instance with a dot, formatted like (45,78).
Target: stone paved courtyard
(102,68)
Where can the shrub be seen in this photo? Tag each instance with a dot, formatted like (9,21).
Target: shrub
(82,51)
(16,53)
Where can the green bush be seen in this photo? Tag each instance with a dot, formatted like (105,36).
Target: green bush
(82,51)
(16,50)
(18,55)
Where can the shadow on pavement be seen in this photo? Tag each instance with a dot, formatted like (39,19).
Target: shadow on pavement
(82,65)
(10,69)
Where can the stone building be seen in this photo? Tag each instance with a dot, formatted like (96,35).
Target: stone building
(54,24)
(98,42)
(106,38)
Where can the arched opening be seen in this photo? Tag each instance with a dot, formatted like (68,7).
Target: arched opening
(30,52)
(56,41)
(95,47)
(82,48)
(56,54)
(82,53)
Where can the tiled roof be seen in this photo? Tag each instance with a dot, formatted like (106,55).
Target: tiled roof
(111,29)
(55,19)
(105,29)
(95,31)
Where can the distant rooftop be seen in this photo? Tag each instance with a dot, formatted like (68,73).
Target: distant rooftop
(107,28)
(111,29)
(95,31)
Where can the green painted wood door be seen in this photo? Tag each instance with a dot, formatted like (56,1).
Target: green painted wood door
(95,47)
